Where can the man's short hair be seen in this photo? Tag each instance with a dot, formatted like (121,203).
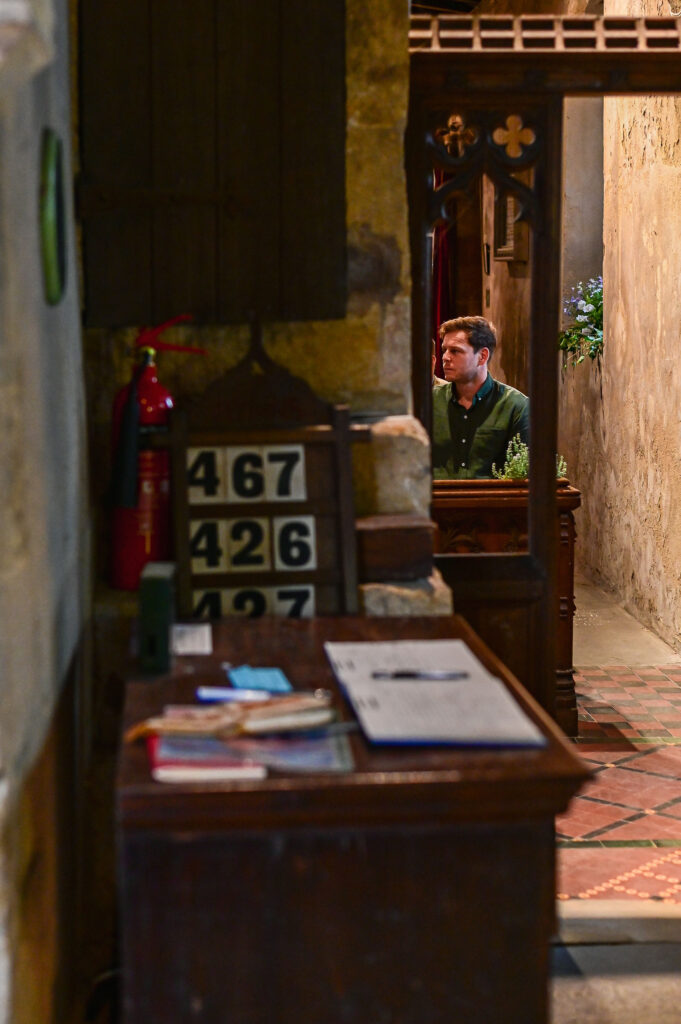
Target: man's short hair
(480,333)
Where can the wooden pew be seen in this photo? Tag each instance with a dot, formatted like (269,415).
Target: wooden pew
(475,517)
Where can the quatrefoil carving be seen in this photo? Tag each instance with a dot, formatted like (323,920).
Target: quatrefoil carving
(514,136)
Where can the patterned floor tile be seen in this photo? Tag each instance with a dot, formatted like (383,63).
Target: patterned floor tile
(665,762)
(611,836)
(638,873)
(642,826)
(643,791)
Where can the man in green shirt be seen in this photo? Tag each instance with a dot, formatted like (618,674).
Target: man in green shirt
(474,415)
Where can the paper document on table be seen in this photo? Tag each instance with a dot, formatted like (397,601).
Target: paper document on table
(429,691)
(192,638)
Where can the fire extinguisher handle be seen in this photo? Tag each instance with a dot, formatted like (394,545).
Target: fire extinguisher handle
(149,337)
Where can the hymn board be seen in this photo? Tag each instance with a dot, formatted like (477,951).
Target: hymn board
(264,521)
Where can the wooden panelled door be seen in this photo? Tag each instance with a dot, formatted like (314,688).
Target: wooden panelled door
(212,179)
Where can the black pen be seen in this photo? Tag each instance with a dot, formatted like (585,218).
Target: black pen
(435,673)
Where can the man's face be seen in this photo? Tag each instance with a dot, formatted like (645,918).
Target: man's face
(460,363)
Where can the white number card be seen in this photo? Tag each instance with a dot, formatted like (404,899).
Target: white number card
(294,602)
(236,474)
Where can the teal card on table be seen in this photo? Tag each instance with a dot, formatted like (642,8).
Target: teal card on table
(270,680)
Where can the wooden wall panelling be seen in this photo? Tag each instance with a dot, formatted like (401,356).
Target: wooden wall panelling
(249,158)
(213,160)
(469,281)
(313,171)
(183,174)
(115,154)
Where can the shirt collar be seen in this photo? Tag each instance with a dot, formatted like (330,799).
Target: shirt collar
(481,393)
(484,390)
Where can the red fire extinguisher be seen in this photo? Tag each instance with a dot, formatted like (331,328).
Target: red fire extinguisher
(140,492)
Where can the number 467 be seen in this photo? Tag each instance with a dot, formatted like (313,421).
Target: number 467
(238,474)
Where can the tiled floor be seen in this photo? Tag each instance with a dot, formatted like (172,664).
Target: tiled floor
(621,837)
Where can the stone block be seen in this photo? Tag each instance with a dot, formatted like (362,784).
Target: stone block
(392,474)
(377,61)
(375,180)
(429,596)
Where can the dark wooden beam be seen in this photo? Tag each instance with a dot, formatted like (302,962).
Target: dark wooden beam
(568,55)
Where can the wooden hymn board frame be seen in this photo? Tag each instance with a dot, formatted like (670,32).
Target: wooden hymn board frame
(262,498)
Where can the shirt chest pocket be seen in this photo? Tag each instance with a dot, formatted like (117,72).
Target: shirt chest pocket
(492,436)
(491,444)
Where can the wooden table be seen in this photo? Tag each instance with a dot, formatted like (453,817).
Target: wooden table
(419,888)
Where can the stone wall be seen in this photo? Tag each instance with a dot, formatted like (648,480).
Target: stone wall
(579,389)
(44,551)
(582,189)
(631,502)
(629,536)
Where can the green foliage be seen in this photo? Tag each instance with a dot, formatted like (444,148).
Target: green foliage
(583,335)
(517,465)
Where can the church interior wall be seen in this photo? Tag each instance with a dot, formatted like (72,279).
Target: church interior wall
(364,358)
(44,555)
(620,420)
(579,386)
(58,389)
(628,452)
(630,478)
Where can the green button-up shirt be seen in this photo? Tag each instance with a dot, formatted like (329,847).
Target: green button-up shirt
(467,442)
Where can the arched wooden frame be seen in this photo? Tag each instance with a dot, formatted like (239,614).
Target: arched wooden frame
(488,68)
(532,575)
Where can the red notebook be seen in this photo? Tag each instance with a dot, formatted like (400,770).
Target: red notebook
(197,759)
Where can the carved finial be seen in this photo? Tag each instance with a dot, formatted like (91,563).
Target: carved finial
(456,136)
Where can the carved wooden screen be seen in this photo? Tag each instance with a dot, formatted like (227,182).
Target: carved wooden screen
(487,70)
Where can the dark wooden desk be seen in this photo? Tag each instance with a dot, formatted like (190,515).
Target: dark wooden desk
(417,889)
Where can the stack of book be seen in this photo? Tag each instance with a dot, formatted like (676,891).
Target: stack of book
(245,739)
